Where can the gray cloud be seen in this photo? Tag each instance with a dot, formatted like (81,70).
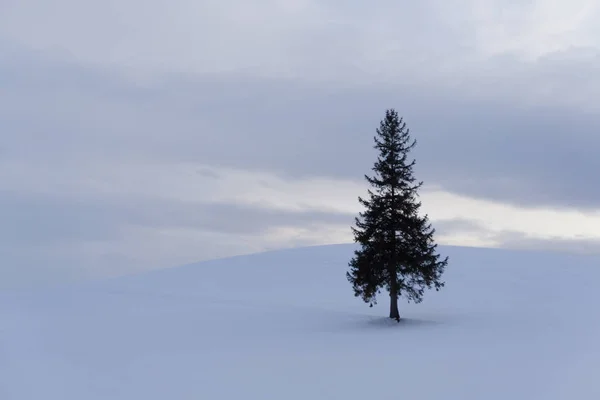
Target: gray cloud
(460,225)
(53,239)
(302,98)
(517,240)
(42,220)
(224,218)
(479,145)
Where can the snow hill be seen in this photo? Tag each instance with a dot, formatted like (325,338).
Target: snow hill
(285,326)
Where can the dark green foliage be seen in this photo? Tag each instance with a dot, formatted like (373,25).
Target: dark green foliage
(397,250)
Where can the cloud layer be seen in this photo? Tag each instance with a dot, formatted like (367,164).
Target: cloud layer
(137,135)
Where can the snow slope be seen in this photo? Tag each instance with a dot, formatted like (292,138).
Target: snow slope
(285,325)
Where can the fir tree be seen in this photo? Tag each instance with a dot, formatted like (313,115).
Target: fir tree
(397,250)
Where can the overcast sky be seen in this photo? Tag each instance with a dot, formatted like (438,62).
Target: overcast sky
(144,134)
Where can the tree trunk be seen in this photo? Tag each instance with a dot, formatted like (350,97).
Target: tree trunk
(394,314)
(393,274)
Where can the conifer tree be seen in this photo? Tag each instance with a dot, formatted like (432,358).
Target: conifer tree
(397,250)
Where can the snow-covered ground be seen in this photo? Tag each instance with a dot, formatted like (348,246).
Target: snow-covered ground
(285,325)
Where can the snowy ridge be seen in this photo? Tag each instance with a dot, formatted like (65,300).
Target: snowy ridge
(284,325)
